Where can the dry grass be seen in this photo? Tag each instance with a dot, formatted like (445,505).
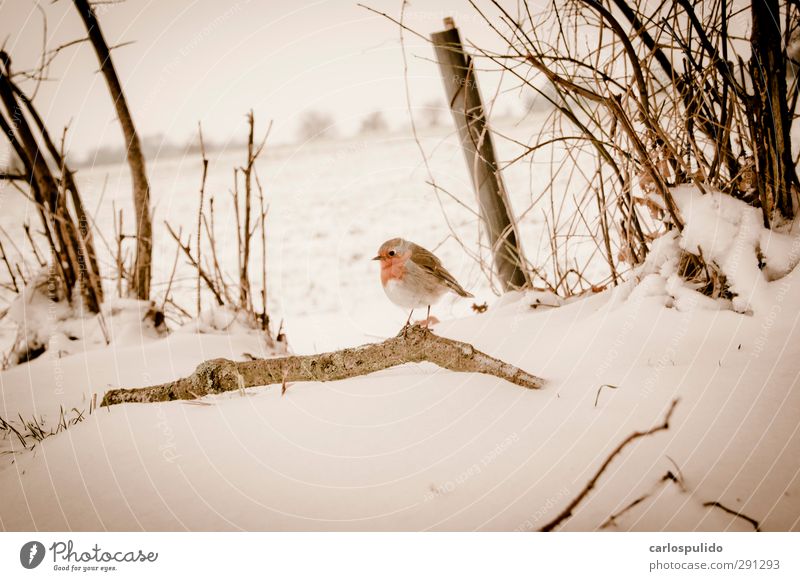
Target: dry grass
(31,431)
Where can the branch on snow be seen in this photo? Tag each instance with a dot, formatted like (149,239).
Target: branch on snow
(414,345)
(567,512)
(752,521)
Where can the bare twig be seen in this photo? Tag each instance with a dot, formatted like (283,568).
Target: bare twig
(668,477)
(719,505)
(203,274)
(200,210)
(568,511)
(8,267)
(599,389)
(172,274)
(39,258)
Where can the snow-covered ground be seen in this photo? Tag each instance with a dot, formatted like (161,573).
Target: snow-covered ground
(420,448)
(416,447)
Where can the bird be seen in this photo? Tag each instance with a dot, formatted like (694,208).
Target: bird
(413,277)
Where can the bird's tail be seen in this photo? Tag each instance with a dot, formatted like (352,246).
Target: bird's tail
(464,293)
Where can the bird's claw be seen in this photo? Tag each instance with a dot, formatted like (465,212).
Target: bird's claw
(404,330)
(427,322)
(424,324)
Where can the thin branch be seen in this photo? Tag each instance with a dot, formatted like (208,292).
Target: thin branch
(568,511)
(398,22)
(752,521)
(203,274)
(200,209)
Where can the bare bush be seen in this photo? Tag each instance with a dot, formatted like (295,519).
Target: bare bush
(433,113)
(374,123)
(316,125)
(250,211)
(655,95)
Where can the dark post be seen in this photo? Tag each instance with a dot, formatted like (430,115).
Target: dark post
(461,86)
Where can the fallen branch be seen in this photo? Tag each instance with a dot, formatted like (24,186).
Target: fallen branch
(668,477)
(719,505)
(414,345)
(567,512)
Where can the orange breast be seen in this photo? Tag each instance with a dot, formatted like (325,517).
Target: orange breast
(392,268)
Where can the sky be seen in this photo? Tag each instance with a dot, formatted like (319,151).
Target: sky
(209,61)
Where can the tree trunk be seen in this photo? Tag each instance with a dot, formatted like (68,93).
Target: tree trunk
(73,251)
(768,67)
(141,189)
(68,180)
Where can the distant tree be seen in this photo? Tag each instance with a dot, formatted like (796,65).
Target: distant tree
(373,123)
(316,125)
(432,113)
(104,155)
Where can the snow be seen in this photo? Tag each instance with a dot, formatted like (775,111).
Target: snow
(40,387)
(728,232)
(416,447)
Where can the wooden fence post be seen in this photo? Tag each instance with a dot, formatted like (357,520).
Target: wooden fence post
(461,86)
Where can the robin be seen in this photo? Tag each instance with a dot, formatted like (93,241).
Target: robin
(412,277)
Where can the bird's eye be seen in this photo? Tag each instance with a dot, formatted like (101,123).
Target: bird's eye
(391,253)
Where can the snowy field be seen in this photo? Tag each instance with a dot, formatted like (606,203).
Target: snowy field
(416,447)
(331,205)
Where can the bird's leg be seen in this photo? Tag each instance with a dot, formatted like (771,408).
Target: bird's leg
(428,317)
(408,323)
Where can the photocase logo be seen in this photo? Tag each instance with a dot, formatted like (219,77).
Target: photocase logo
(31,554)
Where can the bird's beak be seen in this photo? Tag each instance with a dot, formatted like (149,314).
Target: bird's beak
(377,258)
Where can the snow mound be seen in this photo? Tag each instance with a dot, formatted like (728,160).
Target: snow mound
(219,319)
(418,448)
(38,312)
(729,234)
(49,327)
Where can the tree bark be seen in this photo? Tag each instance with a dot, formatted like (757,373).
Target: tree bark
(413,345)
(141,188)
